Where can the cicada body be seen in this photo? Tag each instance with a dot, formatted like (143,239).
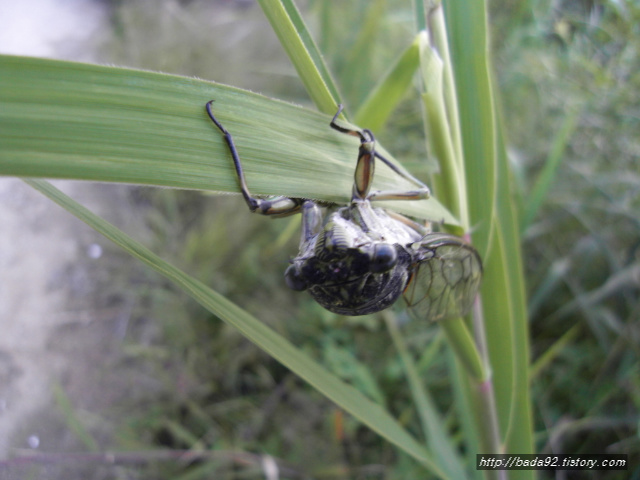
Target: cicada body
(357,259)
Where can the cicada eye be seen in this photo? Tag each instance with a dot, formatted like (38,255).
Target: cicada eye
(383,258)
(295,280)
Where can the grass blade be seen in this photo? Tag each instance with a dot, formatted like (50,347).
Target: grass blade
(495,231)
(437,439)
(305,56)
(72,120)
(466,24)
(509,332)
(376,109)
(312,48)
(450,182)
(547,175)
(71,418)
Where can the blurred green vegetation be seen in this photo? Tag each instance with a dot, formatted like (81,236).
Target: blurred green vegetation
(554,61)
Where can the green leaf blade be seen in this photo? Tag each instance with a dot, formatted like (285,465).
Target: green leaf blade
(89,122)
(377,107)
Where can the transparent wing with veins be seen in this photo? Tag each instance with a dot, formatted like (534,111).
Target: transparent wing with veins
(444,278)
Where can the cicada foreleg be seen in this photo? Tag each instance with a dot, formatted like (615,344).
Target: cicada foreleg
(279,206)
(363,176)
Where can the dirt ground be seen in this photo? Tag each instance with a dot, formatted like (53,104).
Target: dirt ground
(36,246)
(54,337)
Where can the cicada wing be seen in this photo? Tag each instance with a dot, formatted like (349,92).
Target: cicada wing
(445,277)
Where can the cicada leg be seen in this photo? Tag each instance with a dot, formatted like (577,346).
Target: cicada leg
(365,167)
(422,229)
(280,206)
(312,219)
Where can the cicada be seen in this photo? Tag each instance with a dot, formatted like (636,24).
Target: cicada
(357,259)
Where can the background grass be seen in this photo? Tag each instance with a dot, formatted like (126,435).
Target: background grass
(577,60)
(566,75)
